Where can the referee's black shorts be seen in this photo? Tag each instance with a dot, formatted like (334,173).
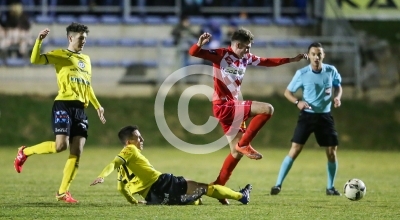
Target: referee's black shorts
(323,126)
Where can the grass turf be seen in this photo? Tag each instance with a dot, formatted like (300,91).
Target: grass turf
(30,194)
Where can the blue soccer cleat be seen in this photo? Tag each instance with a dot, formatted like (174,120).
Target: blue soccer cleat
(245,194)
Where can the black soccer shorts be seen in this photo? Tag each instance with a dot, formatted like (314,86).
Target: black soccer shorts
(321,124)
(167,190)
(69,118)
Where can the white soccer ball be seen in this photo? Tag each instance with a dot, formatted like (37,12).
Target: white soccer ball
(355,189)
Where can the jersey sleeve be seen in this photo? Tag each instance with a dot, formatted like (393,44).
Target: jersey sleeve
(336,78)
(119,160)
(93,99)
(36,57)
(111,167)
(268,62)
(126,154)
(213,55)
(125,192)
(48,58)
(296,83)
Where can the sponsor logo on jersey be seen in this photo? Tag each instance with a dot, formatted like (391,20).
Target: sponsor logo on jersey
(234,71)
(79,80)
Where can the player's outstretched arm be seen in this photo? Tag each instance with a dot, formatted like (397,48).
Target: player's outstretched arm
(299,57)
(36,57)
(271,62)
(107,171)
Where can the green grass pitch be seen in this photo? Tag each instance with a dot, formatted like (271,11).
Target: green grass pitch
(30,194)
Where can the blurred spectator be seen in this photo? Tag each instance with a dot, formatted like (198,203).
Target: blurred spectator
(192,7)
(183,36)
(302,5)
(17,27)
(217,38)
(215,30)
(231,28)
(3,42)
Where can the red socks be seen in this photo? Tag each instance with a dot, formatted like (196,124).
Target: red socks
(230,162)
(226,170)
(255,125)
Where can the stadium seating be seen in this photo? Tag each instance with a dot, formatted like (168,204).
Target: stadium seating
(44,19)
(284,21)
(261,20)
(16,62)
(88,19)
(65,19)
(146,41)
(110,19)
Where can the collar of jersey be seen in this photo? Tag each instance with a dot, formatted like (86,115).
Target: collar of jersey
(234,54)
(322,70)
(133,146)
(73,51)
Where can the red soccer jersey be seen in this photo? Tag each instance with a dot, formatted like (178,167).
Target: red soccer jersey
(229,69)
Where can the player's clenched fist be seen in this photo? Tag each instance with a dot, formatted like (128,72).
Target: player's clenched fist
(203,39)
(43,33)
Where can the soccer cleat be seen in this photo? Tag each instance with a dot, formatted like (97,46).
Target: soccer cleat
(66,197)
(192,198)
(275,190)
(245,194)
(249,152)
(332,192)
(20,159)
(223,201)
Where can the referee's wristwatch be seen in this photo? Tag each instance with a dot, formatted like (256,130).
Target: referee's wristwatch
(296,102)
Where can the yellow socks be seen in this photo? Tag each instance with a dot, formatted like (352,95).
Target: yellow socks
(47,147)
(70,170)
(222,192)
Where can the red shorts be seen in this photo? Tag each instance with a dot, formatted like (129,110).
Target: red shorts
(232,115)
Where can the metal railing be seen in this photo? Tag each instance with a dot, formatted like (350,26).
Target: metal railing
(126,9)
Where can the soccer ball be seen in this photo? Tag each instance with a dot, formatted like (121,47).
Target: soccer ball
(355,189)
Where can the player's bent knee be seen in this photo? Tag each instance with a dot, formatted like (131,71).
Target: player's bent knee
(267,109)
(270,109)
(61,146)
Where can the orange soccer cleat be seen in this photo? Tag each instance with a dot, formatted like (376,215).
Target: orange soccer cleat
(249,152)
(66,197)
(20,159)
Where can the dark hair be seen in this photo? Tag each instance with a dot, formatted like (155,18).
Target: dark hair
(78,28)
(126,133)
(242,35)
(315,44)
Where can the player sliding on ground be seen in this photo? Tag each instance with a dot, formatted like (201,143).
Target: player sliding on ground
(229,66)
(137,176)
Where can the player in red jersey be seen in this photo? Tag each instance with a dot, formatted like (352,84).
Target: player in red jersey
(229,66)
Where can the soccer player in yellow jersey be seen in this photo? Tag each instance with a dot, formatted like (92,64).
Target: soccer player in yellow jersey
(69,120)
(137,176)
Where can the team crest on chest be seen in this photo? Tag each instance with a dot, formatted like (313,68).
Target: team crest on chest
(81,64)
